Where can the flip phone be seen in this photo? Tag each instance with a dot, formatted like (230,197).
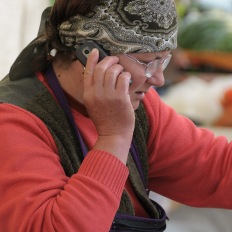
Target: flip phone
(84,50)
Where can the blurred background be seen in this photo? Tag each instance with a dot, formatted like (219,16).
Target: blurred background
(19,22)
(198,81)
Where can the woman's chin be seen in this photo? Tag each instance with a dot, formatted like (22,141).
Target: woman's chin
(135,105)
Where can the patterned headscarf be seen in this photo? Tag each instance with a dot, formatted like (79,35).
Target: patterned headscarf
(120,26)
(125,26)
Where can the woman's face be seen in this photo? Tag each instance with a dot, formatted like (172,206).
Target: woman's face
(140,83)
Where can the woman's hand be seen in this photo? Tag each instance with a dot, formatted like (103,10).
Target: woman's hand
(106,98)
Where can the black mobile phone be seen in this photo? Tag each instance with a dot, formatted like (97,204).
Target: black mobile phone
(84,50)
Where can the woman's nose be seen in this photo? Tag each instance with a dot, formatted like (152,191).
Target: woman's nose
(157,79)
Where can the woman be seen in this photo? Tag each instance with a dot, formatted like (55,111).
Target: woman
(81,144)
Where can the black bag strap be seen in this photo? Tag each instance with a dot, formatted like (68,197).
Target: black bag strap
(126,223)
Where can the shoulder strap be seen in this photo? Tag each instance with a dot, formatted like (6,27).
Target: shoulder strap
(140,139)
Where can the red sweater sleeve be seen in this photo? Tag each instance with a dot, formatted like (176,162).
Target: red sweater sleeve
(35,194)
(186,163)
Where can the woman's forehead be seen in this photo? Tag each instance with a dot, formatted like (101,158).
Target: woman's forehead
(150,55)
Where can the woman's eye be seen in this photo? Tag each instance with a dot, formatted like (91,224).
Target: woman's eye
(145,62)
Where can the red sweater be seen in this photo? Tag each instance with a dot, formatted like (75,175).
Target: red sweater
(186,164)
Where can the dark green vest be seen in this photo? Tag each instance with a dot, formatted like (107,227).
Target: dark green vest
(31,95)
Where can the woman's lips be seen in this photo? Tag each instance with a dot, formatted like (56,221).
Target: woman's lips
(139,95)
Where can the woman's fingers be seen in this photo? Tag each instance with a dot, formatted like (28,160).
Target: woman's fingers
(106,96)
(90,66)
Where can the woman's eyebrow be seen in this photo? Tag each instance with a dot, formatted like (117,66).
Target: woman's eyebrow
(148,59)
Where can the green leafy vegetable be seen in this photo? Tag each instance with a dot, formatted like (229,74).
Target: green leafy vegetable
(207,31)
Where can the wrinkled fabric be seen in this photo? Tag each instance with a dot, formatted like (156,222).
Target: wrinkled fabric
(123,26)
